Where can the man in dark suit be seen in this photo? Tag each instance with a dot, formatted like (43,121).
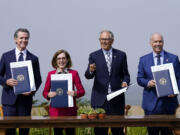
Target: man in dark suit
(17,105)
(151,103)
(108,67)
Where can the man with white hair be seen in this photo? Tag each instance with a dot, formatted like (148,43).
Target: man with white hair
(151,103)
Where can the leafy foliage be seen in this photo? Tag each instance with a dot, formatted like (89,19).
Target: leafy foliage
(100,110)
(136,130)
(84,107)
(83,110)
(82,102)
(92,111)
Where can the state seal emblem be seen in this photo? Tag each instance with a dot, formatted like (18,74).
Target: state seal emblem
(162,81)
(20,77)
(59,91)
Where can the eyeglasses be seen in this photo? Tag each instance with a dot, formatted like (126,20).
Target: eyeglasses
(63,58)
(105,39)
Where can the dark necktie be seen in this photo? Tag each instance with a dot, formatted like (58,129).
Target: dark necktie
(158,59)
(21,57)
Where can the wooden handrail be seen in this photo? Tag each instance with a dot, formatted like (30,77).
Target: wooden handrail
(76,121)
(172,121)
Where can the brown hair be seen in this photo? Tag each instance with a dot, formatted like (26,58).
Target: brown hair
(54,59)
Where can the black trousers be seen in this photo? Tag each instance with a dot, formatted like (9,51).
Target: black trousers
(18,109)
(112,107)
(59,131)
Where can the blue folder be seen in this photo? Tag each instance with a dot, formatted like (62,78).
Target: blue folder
(22,76)
(163,83)
(61,88)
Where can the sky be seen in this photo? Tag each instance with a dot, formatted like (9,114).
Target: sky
(74,25)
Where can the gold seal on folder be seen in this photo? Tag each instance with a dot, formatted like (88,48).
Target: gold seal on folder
(162,81)
(20,77)
(59,91)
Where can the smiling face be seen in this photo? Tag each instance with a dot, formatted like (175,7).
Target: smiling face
(106,41)
(22,40)
(157,43)
(62,61)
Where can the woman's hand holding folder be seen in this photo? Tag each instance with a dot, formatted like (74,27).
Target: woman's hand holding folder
(71,93)
(52,94)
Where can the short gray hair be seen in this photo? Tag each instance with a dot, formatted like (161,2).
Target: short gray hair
(110,32)
(21,30)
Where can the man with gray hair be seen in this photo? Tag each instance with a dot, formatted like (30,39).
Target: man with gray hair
(108,67)
(21,104)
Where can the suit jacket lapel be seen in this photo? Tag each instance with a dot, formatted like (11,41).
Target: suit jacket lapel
(150,63)
(151,60)
(103,60)
(13,56)
(166,60)
(28,57)
(114,55)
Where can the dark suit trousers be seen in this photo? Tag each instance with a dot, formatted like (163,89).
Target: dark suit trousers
(160,109)
(20,108)
(112,107)
(69,131)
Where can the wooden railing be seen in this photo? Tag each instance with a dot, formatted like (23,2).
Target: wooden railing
(172,121)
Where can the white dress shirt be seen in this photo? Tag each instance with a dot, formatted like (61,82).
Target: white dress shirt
(17,52)
(155,58)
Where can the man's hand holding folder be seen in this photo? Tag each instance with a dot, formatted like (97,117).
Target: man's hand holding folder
(11,82)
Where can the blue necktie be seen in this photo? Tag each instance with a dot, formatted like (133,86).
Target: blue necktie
(21,57)
(158,59)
